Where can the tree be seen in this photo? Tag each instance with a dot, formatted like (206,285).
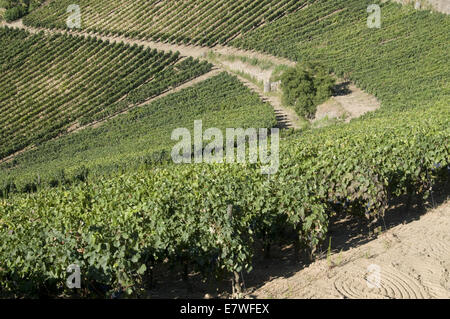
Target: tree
(305,86)
(16,9)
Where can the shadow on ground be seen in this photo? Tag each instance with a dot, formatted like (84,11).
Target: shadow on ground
(342,88)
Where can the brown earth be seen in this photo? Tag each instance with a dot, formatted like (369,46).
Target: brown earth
(413,259)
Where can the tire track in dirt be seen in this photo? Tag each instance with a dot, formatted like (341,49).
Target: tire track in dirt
(414,261)
(352,283)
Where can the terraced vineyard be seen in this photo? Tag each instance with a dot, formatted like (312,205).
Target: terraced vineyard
(141,137)
(50,82)
(214,22)
(120,216)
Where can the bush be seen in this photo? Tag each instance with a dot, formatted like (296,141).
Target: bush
(16,9)
(306,86)
(14,13)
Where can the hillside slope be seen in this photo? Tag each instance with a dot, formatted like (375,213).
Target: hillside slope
(196,22)
(50,82)
(400,63)
(141,137)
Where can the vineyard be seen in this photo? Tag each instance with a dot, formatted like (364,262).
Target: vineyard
(50,82)
(106,198)
(178,216)
(138,138)
(214,22)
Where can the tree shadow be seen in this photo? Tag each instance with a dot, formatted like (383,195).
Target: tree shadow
(342,89)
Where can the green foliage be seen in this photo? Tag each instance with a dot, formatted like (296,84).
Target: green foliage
(16,9)
(400,63)
(117,228)
(14,13)
(156,217)
(141,137)
(306,87)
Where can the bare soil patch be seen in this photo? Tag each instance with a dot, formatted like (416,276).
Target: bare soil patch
(257,73)
(412,253)
(348,102)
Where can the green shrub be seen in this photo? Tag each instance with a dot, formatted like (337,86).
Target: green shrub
(16,9)
(306,86)
(14,13)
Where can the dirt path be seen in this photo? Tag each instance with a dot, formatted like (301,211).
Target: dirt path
(413,261)
(185,50)
(437,5)
(351,105)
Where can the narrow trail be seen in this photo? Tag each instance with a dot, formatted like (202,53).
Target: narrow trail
(287,118)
